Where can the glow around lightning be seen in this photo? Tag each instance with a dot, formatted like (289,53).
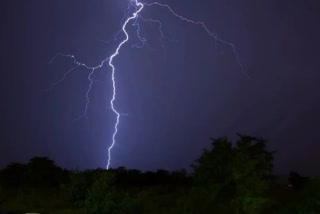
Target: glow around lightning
(136,17)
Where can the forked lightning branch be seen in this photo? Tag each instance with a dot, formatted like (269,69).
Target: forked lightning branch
(132,15)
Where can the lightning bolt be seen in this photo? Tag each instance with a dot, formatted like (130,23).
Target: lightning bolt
(135,14)
(138,7)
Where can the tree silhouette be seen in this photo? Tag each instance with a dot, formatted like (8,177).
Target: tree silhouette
(12,175)
(214,165)
(251,168)
(101,195)
(240,172)
(42,172)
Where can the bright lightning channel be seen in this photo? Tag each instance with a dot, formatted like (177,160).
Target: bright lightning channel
(135,15)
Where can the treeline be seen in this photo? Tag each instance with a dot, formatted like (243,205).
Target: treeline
(41,172)
(227,178)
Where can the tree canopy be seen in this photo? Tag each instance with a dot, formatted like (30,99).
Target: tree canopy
(242,168)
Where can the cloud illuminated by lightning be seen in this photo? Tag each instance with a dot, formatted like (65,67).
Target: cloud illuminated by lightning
(138,7)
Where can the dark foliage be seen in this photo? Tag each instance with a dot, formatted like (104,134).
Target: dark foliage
(226,178)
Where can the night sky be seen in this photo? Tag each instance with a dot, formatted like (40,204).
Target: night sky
(177,92)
